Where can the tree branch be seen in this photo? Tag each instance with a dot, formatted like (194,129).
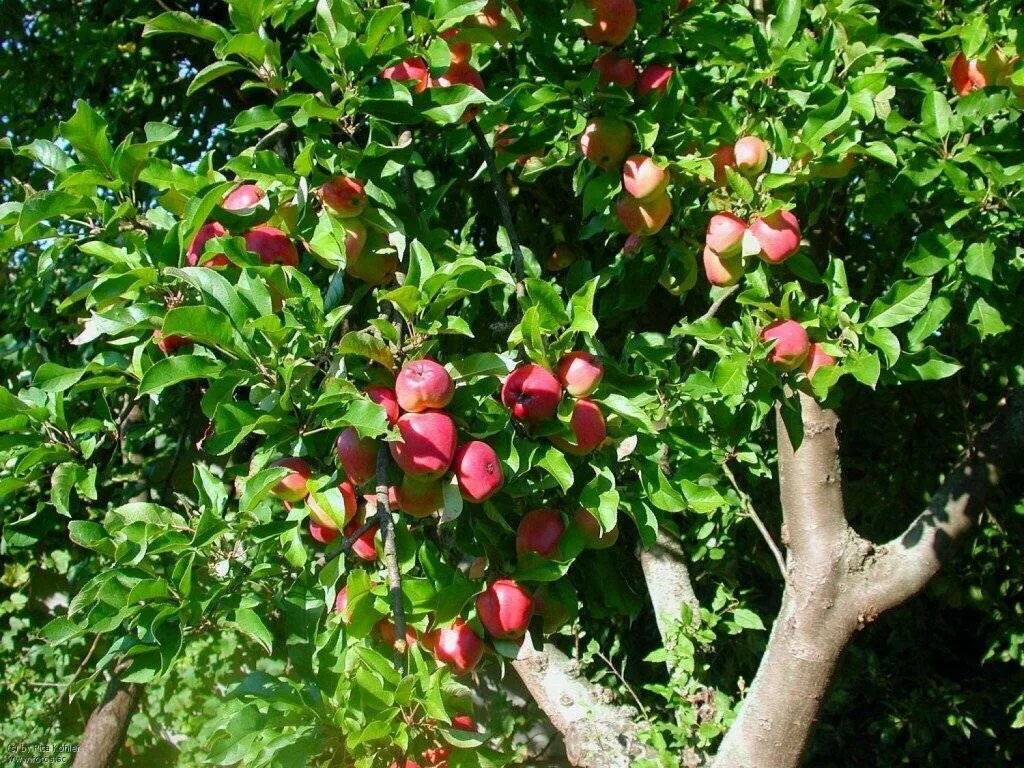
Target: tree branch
(104,733)
(387,532)
(751,512)
(597,734)
(668,583)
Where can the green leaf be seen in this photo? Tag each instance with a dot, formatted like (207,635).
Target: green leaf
(786,21)
(213,285)
(59,630)
(86,131)
(364,344)
(210,73)
(53,378)
(936,115)
(926,365)
(251,625)
(903,302)
(980,260)
(747,619)
(554,462)
(172,370)
(180,23)
(86,533)
(863,366)
(204,325)
(987,319)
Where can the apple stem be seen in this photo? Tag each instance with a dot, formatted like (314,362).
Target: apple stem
(387,532)
(503,204)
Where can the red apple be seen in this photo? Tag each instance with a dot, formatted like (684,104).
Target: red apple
(460,50)
(386,629)
(207,232)
(751,155)
(562,256)
(464,74)
(721,271)
(540,531)
(343,196)
(478,471)
(363,547)
(357,455)
(588,428)
(778,236)
(408,763)
(654,79)
(725,235)
(505,609)
(419,498)
(614,70)
(292,487)
(594,537)
(791,345)
(423,385)
(817,358)
(355,239)
(458,646)
(242,198)
(386,398)
(271,245)
(427,444)
(606,141)
(412,70)
(170,344)
(322,533)
(643,178)
(967,75)
(320,516)
(580,373)
(632,244)
(341,603)
(644,217)
(613,20)
(531,393)
(722,158)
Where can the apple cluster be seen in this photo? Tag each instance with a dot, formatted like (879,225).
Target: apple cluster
(345,198)
(532,395)
(793,350)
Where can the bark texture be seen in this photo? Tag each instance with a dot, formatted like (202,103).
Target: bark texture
(668,583)
(104,733)
(596,733)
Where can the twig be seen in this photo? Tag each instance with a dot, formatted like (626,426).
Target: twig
(387,532)
(717,304)
(748,508)
(615,671)
(370,524)
(503,204)
(277,130)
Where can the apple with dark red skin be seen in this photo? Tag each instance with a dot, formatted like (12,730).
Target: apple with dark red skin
(271,245)
(357,455)
(243,197)
(613,69)
(790,344)
(412,70)
(725,234)
(531,393)
(613,20)
(751,155)
(720,271)
(322,518)
(458,646)
(292,487)
(343,196)
(580,373)
(363,547)
(590,527)
(171,343)
(207,232)
(817,358)
(643,178)
(722,158)
(644,217)
(654,79)
(478,471)
(386,398)
(423,385)
(419,498)
(778,235)
(588,428)
(967,74)
(505,609)
(427,444)
(540,532)
(606,141)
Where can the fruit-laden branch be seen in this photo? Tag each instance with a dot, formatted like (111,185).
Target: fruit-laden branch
(104,733)
(838,581)
(668,584)
(596,733)
(387,533)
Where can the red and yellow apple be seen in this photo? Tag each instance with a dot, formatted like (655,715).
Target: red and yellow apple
(423,385)
(531,393)
(505,609)
(790,344)
(427,444)
(478,471)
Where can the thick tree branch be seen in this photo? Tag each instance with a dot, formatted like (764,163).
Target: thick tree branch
(108,723)
(387,533)
(668,583)
(597,734)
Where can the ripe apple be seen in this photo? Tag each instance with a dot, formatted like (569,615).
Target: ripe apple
(343,196)
(419,498)
(460,50)
(505,609)
(375,267)
(817,358)
(386,398)
(242,198)
(778,236)
(588,428)
(386,629)
(590,527)
(606,141)
(725,235)
(751,155)
(644,217)
(531,393)
(613,69)
(423,385)
(613,20)
(966,75)
(412,70)
(292,487)
(562,256)
(539,531)
(580,373)
(207,232)
(357,455)
(170,344)
(478,471)
(721,271)
(463,74)
(355,239)
(654,79)
(427,444)
(271,245)
(643,178)
(320,516)
(722,158)
(408,763)
(459,647)
(341,603)
(363,547)
(322,533)
(791,345)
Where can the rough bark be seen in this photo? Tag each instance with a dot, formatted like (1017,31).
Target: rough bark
(596,733)
(104,733)
(668,583)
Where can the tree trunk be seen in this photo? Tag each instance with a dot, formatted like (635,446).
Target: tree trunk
(108,723)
